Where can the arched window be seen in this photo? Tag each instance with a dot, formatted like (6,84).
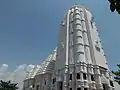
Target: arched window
(70,77)
(78,75)
(92,78)
(54,80)
(84,76)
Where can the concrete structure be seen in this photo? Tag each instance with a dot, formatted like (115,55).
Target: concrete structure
(78,62)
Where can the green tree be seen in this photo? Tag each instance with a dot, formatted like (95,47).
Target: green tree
(114,5)
(8,85)
(117,73)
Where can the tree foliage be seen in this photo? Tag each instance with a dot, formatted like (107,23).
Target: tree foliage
(117,73)
(8,85)
(114,5)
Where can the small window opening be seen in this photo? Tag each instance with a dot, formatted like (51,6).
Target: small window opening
(72,32)
(33,85)
(45,82)
(61,84)
(70,88)
(85,89)
(68,84)
(92,78)
(111,83)
(97,46)
(70,76)
(103,86)
(84,76)
(92,20)
(78,88)
(54,80)
(78,75)
(91,24)
(101,72)
(37,87)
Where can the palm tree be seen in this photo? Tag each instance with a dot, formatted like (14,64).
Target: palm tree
(117,73)
(114,5)
(8,85)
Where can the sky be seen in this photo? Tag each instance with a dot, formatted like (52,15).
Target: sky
(29,29)
(16,76)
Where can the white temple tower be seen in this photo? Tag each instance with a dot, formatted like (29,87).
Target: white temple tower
(80,62)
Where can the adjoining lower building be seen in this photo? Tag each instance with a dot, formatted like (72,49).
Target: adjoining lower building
(78,62)
(41,74)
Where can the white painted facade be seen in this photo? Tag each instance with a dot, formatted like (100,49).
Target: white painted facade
(78,62)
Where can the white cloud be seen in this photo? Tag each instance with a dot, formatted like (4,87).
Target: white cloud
(3,67)
(18,75)
(3,71)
